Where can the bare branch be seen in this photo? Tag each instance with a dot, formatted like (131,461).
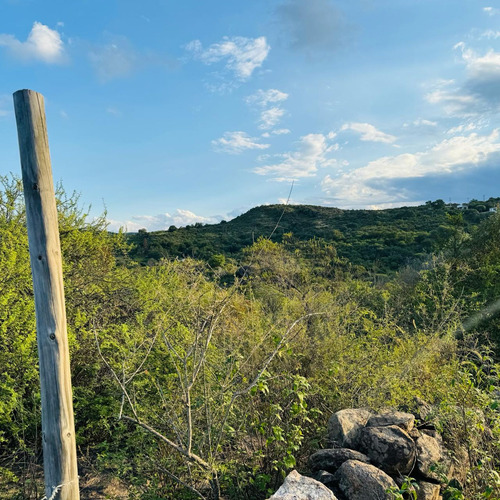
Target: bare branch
(180,481)
(271,356)
(189,455)
(143,361)
(123,388)
(267,362)
(213,323)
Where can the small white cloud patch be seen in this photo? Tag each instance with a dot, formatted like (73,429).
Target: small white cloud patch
(43,44)
(312,153)
(490,35)
(424,123)
(491,11)
(267,102)
(453,101)
(479,93)
(241,55)
(369,132)
(237,142)
(263,98)
(159,222)
(270,117)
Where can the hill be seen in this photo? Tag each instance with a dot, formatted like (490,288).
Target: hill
(379,240)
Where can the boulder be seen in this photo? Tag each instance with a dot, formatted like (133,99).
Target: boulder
(414,433)
(345,425)
(404,420)
(297,487)
(426,414)
(430,451)
(389,448)
(331,459)
(424,409)
(360,481)
(433,433)
(325,478)
(428,491)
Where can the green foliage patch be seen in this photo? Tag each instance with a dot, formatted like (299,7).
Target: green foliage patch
(202,378)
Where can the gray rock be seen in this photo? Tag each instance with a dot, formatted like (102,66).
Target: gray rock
(345,425)
(404,420)
(325,478)
(431,452)
(331,459)
(424,409)
(428,491)
(389,448)
(297,487)
(425,413)
(360,481)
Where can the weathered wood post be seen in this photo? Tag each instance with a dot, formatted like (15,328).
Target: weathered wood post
(58,428)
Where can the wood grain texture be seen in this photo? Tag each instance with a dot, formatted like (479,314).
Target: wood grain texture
(59,448)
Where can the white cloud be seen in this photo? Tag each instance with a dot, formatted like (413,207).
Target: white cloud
(479,93)
(241,55)
(372,183)
(287,201)
(464,127)
(270,117)
(280,131)
(263,98)
(490,35)
(236,212)
(385,206)
(42,44)
(424,123)
(453,101)
(421,127)
(481,67)
(194,46)
(163,221)
(312,153)
(369,132)
(237,142)
(270,112)
(491,11)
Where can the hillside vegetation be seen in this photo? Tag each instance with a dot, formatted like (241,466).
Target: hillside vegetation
(212,377)
(380,240)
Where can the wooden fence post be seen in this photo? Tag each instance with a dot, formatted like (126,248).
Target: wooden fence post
(58,428)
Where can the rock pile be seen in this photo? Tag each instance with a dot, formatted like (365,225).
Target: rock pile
(370,454)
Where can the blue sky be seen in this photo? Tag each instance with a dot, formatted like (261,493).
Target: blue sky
(174,112)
